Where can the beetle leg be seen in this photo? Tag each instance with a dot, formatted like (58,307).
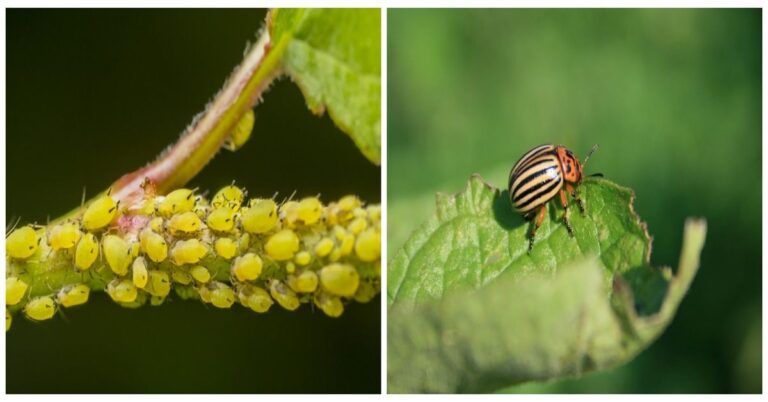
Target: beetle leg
(564,201)
(575,194)
(540,214)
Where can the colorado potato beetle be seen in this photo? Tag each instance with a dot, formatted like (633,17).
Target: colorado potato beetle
(541,174)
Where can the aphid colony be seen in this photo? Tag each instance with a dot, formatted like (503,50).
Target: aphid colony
(222,252)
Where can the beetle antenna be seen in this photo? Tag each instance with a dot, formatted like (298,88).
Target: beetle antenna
(596,175)
(591,151)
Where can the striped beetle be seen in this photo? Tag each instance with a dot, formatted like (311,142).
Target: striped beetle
(538,176)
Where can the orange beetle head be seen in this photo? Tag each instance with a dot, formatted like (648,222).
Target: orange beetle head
(571,167)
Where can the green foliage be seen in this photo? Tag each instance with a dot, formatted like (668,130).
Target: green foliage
(334,55)
(673,97)
(472,311)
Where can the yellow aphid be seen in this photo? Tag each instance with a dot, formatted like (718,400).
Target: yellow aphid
(86,252)
(360,213)
(8,320)
(247,267)
(159,284)
(283,295)
(147,206)
(310,210)
(140,300)
(225,247)
(73,295)
(303,258)
(340,279)
(64,236)
(331,305)
(21,243)
(135,249)
(156,300)
(332,214)
(201,210)
(222,296)
(118,254)
(368,245)
(306,282)
(177,201)
(339,232)
(182,277)
(324,247)
(231,197)
(349,203)
(100,213)
(140,274)
(374,212)
(255,298)
(290,267)
(205,294)
(188,252)
(15,289)
(184,223)
(260,216)
(242,131)
(244,242)
(153,245)
(40,308)
(289,211)
(335,254)
(200,273)
(282,245)
(347,244)
(122,290)
(365,292)
(156,224)
(221,219)
(357,225)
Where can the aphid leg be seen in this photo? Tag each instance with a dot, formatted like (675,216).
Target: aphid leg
(540,214)
(564,201)
(574,192)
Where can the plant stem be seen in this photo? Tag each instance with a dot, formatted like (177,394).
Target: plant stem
(205,135)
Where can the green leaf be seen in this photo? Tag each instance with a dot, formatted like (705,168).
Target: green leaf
(334,55)
(471,311)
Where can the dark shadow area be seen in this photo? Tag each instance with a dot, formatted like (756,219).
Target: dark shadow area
(648,288)
(504,213)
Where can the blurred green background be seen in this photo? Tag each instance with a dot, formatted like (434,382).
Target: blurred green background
(673,97)
(93,94)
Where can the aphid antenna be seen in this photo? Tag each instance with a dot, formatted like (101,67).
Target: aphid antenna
(60,312)
(13,226)
(293,194)
(82,198)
